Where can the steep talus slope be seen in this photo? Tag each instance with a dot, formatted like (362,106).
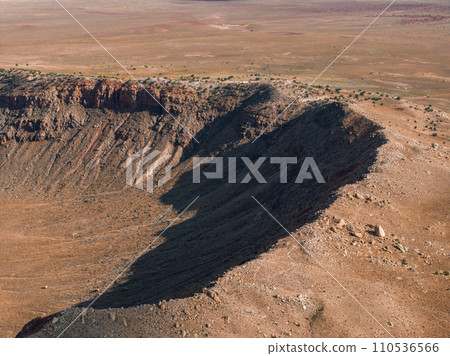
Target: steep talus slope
(74,137)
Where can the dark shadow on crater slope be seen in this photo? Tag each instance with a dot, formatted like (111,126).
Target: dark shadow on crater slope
(229,228)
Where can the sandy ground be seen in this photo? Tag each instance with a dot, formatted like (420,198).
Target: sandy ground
(401,53)
(69,249)
(58,252)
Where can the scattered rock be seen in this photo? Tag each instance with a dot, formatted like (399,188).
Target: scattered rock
(341,223)
(399,247)
(44,287)
(112,316)
(55,320)
(357,234)
(183,333)
(162,305)
(359,196)
(125,322)
(379,231)
(213,295)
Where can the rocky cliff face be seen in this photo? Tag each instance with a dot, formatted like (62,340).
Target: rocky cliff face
(91,93)
(36,109)
(71,123)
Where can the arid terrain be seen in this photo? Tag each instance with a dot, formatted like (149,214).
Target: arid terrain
(376,124)
(404,52)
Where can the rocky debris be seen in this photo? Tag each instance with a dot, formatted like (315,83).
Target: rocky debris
(341,224)
(35,325)
(112,316)
(213,295)
(162,305)
(183,333)
(379,231)
(124,322)
(300,300)
(399,247)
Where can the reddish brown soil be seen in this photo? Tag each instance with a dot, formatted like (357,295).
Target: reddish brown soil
(70,225)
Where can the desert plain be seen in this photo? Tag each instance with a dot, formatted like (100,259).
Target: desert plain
(376,121)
